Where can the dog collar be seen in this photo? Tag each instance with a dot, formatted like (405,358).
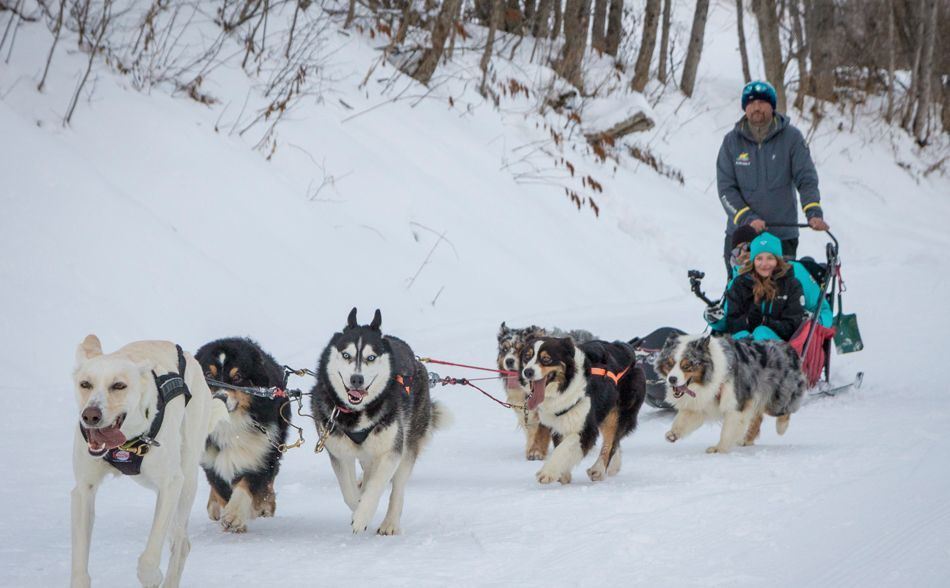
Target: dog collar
(569,408)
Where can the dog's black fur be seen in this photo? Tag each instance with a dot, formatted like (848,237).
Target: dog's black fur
(556,358)
(246,364)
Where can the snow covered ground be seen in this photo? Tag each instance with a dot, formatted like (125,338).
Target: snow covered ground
(140,221)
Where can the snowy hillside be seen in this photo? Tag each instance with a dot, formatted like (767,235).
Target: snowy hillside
(148,218)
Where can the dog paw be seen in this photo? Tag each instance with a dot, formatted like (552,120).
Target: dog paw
(565,478)
(545,477)
(233,523)
(388,528)
(671,436)
(596,473)
(536,455)
(80,580)
(717,449)
(149,575)
(359,522)
(747,442)
(214,511)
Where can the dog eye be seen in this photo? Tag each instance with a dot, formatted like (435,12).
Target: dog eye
(505,346)
(370,358)
(686,365)
(85,385)
(545,360)
(118,386)
(346,356)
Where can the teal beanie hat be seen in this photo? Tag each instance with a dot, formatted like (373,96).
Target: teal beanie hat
(766,243)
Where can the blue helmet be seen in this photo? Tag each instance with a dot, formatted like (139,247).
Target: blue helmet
(758,90)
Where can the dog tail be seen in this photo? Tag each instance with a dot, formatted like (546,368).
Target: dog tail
(441,417)
(781,424)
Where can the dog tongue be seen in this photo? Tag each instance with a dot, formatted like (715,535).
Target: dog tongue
(110,437)
(512,382)
(537,394)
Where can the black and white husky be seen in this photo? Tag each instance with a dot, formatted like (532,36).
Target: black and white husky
(710,378)
(371,402)
(242,454)
(581,391)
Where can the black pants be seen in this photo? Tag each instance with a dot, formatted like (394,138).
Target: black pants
(789,251)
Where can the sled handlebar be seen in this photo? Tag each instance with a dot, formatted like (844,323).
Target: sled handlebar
(801,226)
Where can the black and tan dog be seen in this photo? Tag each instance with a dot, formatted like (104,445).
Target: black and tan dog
(581,391)
(511,341)
(241,457)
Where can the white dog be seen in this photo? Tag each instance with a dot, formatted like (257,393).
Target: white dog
(144,411)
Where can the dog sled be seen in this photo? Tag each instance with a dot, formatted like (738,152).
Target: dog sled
(812,341)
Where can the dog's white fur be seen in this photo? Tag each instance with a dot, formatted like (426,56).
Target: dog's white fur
(171,468)
(692,412)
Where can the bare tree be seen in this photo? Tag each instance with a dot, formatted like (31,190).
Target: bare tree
(820,29)
(800,53)
(49,58)
(576,19)
(614,27)
(664,41)
(765,12)
(891,59)
(641,71)
(539,26)
(104,19)
(695,49)
(598,39)
(441,28)
(746,75)
(926,72)
(498,6)
(558,20)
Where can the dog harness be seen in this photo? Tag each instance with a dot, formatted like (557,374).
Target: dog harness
(603,372)
(127,458)
(359,436)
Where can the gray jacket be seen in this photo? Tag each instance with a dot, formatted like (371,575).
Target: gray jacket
(758,180)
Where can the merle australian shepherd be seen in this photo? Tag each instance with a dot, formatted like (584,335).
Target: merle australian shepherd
(582,391)
(241,457)
(736,380)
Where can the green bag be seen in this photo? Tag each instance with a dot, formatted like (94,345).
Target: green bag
(847,335)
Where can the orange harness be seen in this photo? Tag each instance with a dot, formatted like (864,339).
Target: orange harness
(403,383)
(615,377)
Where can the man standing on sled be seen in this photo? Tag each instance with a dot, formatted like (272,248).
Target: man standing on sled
(761,163)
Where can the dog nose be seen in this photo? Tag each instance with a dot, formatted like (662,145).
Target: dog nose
(356,380)
(672,380)
(92,416)
(510,362)
(529,373)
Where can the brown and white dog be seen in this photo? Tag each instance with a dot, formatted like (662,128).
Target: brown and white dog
(144,411)
(510,344)
(582,391)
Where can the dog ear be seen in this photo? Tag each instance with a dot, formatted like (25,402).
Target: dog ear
(89,348)
(351,320)
(377,320)
(704,342)
(503,330)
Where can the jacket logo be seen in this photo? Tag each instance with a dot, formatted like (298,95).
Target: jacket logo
(743,159)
